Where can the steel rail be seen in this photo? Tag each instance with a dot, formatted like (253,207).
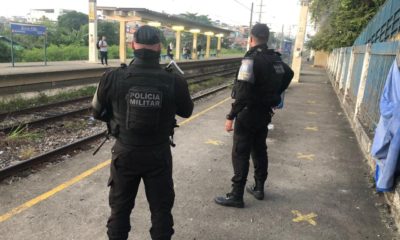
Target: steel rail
(38,122)
(15,169)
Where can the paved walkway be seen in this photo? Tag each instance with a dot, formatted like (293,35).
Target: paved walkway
(317,186)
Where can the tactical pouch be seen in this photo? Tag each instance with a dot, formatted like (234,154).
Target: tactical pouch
(143,109)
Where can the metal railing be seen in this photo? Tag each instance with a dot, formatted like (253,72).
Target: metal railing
(384,25)
(358,75)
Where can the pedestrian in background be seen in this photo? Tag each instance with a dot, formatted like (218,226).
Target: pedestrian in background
(170,47)
(103,51)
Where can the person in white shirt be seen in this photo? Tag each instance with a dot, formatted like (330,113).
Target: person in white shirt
(103,50)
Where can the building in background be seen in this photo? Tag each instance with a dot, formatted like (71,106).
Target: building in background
(36,15)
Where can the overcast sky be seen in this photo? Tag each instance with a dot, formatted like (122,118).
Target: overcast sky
(276,12)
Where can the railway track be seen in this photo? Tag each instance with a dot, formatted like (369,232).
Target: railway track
(34,161)
(192,79)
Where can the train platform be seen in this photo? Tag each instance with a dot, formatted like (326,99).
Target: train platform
(6,69)
(318,186)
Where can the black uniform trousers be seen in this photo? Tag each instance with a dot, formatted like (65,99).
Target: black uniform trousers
(129,166)
(249,139)
(104,57)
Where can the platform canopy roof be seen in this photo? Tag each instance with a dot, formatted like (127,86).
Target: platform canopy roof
(145,15)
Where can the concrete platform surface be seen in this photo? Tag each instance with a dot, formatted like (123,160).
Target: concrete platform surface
(317,186)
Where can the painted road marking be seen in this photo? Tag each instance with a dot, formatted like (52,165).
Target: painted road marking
(311,102)
(315,129)
(304,218)
(214,142)
(202,112)
(52,192)
(83,175)
(306,156)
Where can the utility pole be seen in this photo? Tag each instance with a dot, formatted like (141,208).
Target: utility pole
(93,53)
(261,12)
(283,37)
(250,26)
(299,43)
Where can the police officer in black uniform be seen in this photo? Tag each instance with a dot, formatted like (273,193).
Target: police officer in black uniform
(139,102)
(261,80)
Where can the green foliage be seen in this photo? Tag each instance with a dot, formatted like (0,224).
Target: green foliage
(340,21)
(110,30)
(72,20)
(42,99)
(5,52)
(56,53)
(197,18)
(233,51)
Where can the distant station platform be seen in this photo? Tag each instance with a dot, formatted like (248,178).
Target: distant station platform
(39,67)
(316,189)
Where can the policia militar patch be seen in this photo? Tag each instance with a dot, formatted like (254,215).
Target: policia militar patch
(246,71)
(143,109)
(144,97)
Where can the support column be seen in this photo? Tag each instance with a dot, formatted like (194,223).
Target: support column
(178,30)
(208,46)
(208,34)
(345,66)
(178,45)
(93,52)
(219,36)
(298,46)
(349,74)
(340,66)
(363,80)
(122,41)
(194,46)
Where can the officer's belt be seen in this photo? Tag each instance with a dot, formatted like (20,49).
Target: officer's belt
(143,148)
(142,140)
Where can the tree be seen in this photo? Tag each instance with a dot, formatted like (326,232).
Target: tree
(72,20)
(340,21)
(197,18)
(110,30)
(5,53)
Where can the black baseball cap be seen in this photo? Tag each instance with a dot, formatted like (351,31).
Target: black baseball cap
(147,35)
(260,31)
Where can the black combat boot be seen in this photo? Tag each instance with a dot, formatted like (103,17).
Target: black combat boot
(232,199)
(257,190)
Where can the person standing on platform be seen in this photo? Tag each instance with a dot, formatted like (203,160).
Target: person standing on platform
(103,51)
(170,47)
(199,48)
(261,80)
(139,102)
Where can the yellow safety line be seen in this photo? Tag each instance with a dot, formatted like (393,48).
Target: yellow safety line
(83,175)
(55,190)
(202,112)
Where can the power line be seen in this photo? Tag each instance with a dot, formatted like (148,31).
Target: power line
(243,5)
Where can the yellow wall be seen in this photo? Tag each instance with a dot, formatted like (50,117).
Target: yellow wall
(321,59)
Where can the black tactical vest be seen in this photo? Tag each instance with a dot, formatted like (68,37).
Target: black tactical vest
(266,86)
(144,108)
(268,89)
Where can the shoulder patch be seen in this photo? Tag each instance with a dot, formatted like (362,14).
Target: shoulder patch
(278,68)
(246,71)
